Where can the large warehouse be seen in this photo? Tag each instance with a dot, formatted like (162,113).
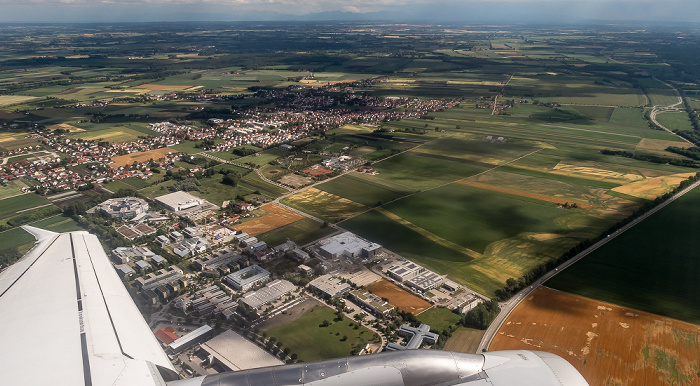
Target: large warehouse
(347,244)
(233,352)
(179,200)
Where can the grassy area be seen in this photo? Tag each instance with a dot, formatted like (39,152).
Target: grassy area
(311,342)
(465,340)
(477,217)
(253,182)
(301,232)
(17,203)
(418,171)
(439,318)
(362,190)
(19,238)
(262,158)
(675,121)
(652,267)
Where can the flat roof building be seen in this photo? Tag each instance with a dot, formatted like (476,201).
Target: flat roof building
(179,201)
(404,270)
(329,286)
(416,336)
(162,277)
(123,255)
(426,281)
(199,335)
(247,277)
(217,260)
(347,244)
(371,302)
(233,353)
(268,294)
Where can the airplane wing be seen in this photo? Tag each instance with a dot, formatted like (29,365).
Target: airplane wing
(66,319)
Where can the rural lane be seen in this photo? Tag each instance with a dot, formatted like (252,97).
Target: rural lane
(508,306)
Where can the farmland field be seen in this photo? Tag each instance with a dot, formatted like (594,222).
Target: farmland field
(312,342)
(362,190)
(301,232)
(660,268)
(464,340)
(324,205)
(398,297)
(607,344)
(128,159)
(276,217)
(115,134)
(17,203)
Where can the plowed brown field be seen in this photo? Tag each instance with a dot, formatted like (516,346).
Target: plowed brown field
(608,344)
(276,217)
(398,297)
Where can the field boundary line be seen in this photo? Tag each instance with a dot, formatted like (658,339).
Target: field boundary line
(594,131)
(431,236)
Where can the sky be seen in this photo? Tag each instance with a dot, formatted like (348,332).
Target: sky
(467,11)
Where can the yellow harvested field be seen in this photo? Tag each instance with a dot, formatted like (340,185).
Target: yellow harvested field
(123,160)
(563,168)
(654,187)
(326,205)
(159,87)
(660,144)
(276,217)
(606,343)
(65,126)
(398,297)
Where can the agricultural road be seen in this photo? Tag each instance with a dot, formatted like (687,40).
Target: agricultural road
(507,307)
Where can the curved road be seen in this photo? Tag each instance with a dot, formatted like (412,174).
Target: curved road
(507,307)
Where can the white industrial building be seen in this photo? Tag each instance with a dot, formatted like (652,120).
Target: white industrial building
(268,294)
(329,286)
(247,277)
(347,244)
(179,200)
(124,207)
(233,353)
(426,281)
(404,270)
(197,336)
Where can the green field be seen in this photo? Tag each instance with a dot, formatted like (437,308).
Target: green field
(312,342)
(362,190)
(421,171)
(439,318)
(19,238)
(262,158)
(301,232)
(17,203)
(652,267)
(477,217)
(675,121)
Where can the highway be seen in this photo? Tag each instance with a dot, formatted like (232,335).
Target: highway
(508,306)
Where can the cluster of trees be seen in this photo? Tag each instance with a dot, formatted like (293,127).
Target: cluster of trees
(652,158)
(33,215)
(482,315)
(513,285)
(188,184)
(691,152)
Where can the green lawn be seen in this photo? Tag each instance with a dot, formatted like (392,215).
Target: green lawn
(439,318)
(301,232)
(262,158)
(19,238)
(653,267)
(675,121)
(17,203)
(311,342)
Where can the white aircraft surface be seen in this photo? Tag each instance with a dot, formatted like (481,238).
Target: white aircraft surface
(67,319)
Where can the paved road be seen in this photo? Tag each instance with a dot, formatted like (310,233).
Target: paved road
(670,108)
(507,307)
